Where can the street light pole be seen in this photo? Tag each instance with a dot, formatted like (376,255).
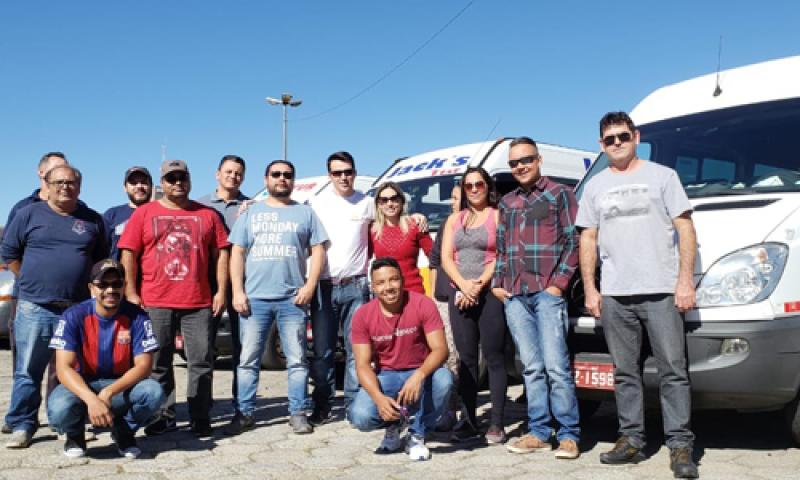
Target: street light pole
(285,101)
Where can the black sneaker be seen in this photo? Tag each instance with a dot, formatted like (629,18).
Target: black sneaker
(202,428)
(681,463)
(320,416)
(75,446)
(161,426)
(240,423)
(464,432)
(126,443)
(622,453)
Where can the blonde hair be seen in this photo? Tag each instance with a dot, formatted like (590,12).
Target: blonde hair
(380,218)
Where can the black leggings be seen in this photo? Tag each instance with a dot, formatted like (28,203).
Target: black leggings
(483,324)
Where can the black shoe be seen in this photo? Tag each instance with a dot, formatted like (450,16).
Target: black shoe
(239,424)
(464,432)
(320,416)
(622,453)
(126,443)
(681,463)
(75,446)
(202,428)
(161,426)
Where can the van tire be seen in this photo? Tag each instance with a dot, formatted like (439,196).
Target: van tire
(792,415)
(273,358)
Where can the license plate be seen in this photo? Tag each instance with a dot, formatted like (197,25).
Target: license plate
(596,376)
(178,342)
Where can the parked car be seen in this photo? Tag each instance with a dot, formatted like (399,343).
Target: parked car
(6,302)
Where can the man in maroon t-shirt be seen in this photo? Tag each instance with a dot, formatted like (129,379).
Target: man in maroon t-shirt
(402,335)
(170,244)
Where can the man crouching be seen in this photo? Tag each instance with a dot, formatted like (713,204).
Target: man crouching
(401,333)
(103,362)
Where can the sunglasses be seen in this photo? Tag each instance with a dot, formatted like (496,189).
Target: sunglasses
(285,175)
(623,137)
(63,183)
(113,284)
(393,199)
(176,177)
(480,186)
(338,173)
(523,161)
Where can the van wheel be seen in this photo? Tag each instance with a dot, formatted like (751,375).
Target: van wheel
(273,358)
(792,415)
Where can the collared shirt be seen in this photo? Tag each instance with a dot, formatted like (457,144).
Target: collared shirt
(537,241)
(229,210)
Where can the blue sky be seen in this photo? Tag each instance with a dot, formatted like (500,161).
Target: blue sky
(109,82)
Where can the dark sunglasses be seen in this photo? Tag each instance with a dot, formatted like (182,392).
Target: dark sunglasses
(393,198)
(523,161)
(480,185)
(176,177)
(338,173)
(286,175)
(623,137)
(103,285)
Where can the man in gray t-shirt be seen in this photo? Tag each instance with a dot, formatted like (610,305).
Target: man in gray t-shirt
(271,242)
(637,216)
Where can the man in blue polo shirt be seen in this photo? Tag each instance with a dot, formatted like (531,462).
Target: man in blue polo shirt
(51,247)
(104,362)
(138,185)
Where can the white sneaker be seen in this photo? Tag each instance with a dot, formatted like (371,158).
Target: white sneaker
(20,439)
(416,449)
(392,440)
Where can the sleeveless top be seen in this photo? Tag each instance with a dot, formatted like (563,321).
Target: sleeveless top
(474,247)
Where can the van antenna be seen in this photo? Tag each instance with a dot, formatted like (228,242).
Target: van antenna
(164,152)
(718,89)
(499,119)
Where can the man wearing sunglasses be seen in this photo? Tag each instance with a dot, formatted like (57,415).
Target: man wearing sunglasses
(138,185)
(272,241)
(104,357)
(537,254)
(171,243)
(50,246)
(640,207)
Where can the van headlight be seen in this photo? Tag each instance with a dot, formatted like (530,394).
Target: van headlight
(744,276)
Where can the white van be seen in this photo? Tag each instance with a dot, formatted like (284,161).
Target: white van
(733,145)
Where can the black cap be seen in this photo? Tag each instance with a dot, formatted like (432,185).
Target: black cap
(103,266)
(141,170)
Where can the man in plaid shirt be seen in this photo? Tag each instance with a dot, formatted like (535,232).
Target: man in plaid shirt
(537,253)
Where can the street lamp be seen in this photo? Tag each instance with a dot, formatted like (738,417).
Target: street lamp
(286,101)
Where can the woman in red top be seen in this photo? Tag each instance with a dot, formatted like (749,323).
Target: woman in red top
(394,234)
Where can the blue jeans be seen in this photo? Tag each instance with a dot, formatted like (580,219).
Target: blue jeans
(539,324)
(33,328)
(132,409)
(363,412)
(332,306)
(624,318)
(253,331)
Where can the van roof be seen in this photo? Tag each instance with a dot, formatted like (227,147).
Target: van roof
(756,83)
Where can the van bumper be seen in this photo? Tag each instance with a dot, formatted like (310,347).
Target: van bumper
(766,377)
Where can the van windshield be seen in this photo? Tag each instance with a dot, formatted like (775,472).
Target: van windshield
(428,196)
(736,151)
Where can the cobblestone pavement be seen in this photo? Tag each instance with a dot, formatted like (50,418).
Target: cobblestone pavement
(728,446)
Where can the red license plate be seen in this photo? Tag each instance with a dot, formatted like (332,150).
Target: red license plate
(596,376)
(178,342)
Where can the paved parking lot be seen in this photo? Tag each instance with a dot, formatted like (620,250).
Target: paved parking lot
(728,446)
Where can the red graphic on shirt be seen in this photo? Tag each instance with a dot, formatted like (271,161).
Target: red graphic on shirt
(177,237)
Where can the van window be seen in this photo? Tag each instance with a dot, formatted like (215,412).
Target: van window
(431,197)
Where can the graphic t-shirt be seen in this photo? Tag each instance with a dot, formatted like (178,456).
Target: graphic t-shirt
(105,347)
(346,219)
(633,214)
(398,342)
(175,247)
(115,219)
(277,242)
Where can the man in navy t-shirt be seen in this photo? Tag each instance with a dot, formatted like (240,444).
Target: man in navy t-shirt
(138,185)
(104,362)
(51,247)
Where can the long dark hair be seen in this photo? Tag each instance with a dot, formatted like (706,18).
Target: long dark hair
(491,192)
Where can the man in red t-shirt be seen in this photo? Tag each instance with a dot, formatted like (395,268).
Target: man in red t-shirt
(402,335)
(170,244)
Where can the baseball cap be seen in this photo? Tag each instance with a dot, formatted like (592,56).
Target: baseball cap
(138,169)
(170,166)
(103,266)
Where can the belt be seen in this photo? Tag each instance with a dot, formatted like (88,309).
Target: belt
(58,304)
(341,282)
